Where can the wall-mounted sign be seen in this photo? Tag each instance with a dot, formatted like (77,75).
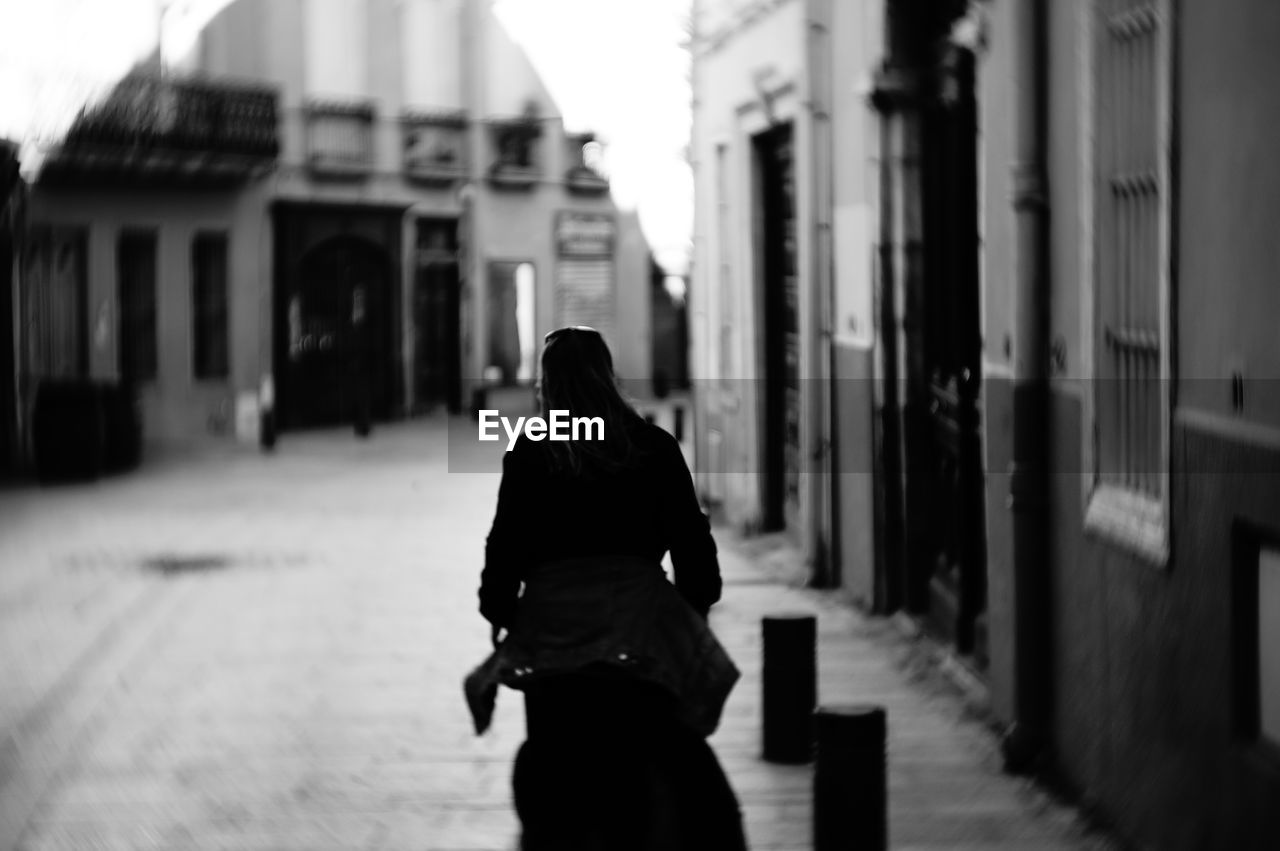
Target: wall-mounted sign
(584,274)
(584,234)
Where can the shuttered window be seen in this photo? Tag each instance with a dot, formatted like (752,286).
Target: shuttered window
(209,305)
(136,266)
(1132,195)
(54,306)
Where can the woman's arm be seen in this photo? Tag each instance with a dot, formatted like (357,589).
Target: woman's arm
(693,550)
(500,578)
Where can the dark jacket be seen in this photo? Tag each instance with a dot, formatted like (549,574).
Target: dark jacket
(587,551)
(646,511)
(609,616)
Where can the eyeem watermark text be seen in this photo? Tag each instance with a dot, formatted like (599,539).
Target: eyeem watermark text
(560,426)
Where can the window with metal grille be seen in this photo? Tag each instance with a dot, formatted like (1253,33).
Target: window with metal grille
(209,306)
(136,264)
(1132,206)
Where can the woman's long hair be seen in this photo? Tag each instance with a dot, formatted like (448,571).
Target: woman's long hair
(578,377)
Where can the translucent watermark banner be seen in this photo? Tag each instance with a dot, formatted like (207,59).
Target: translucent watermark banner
(1129,430)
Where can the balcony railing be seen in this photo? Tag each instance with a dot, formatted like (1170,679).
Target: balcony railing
(515,152)
(435,147)
(152,129)
(340,138)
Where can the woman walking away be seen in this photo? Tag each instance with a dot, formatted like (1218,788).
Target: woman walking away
(622,678)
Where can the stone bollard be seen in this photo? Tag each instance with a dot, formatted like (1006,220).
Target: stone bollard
(850,803)
(789,683)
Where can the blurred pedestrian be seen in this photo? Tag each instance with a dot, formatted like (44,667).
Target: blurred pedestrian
(622,678)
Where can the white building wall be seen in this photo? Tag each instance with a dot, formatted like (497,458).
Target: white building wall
(336,35)
(424,55)
(431,44)
(765,54)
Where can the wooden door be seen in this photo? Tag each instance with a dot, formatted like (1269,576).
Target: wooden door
(338,321)
(780,326)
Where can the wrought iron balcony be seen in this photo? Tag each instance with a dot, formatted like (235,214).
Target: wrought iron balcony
(435,147)
(340,138)
(515,152)
(152,130)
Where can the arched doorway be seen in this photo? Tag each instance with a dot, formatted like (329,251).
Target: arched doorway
(337,328)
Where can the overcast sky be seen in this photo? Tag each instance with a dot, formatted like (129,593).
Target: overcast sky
(614,66)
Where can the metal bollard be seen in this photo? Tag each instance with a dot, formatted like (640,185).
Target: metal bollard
(789,683)
(850,803)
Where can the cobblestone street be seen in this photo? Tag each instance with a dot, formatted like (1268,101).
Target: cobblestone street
(238,651)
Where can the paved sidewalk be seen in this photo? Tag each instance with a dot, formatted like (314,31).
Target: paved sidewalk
(236,651)
(946,789)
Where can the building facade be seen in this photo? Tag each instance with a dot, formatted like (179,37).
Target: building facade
(1140,636)
(781,287)
(1007,266)
(421,219)
(12,229)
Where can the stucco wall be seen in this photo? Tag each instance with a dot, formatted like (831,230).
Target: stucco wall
(430,40)
(176,406)
(995,139)
(1145,692)
(727,113)
(1229,193)
(633,319)
(857,36)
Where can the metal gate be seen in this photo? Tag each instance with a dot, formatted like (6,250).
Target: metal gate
(780,327)
(437,320)
(945,491)
(338,321)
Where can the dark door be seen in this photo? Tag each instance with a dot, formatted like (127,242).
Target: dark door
(437,358)
(437,318)
(780,326)
(338,333)
(946,527)
(8,371)
(55,333)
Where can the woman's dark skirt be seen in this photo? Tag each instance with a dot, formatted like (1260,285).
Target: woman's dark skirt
(607,766)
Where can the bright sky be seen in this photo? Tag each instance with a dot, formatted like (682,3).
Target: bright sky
(613,66)
(616,67)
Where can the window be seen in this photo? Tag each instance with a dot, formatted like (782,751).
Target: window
(136,264)
(340,137)
(1131,295)
(514,143)
(209,305)
(55,301)
(435,147)
(512,347)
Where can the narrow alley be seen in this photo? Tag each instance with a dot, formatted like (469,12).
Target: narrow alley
(229,649)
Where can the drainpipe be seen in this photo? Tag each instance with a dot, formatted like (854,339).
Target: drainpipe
(895,96)
(1027,739)
(825,492)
